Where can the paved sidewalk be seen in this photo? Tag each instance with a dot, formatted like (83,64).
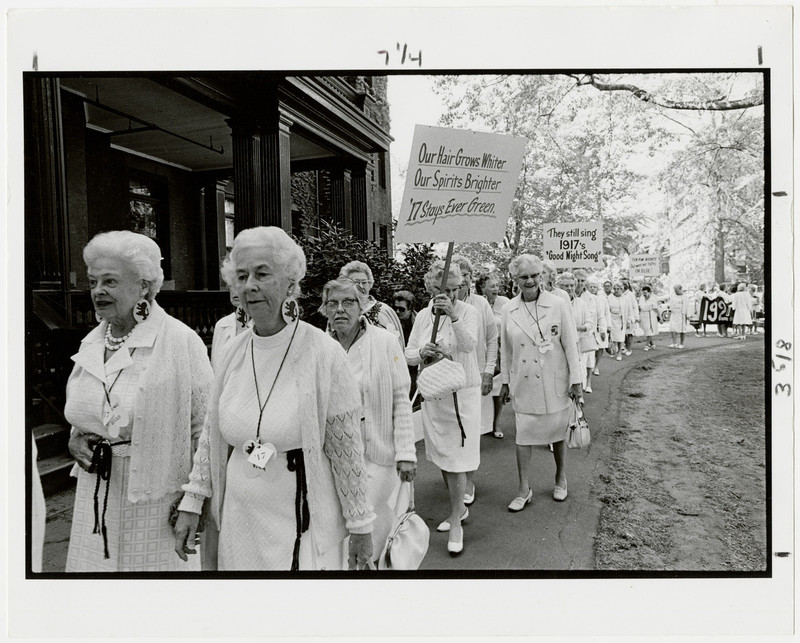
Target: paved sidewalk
(547,535)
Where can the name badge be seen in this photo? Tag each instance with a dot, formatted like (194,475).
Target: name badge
(545,346)
(260,455)
(114,416)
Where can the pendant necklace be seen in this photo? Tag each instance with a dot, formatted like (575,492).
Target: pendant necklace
(258,454)
(114,417)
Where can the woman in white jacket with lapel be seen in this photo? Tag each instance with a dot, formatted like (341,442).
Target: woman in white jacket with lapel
(541,371)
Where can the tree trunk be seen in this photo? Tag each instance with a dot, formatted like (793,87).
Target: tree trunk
(719,256)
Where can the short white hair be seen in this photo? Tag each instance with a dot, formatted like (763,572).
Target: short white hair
(357,266)
(564,276)
(434,275)
(139,252)
(284,253)
(517,262)
(342,285)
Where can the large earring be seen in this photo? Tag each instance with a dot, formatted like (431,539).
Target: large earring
(141,311)
(290,310)
(241,317)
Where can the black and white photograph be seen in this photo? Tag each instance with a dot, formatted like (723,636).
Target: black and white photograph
(481,321)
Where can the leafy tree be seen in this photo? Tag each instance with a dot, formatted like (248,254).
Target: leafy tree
(640,152)
(332,247)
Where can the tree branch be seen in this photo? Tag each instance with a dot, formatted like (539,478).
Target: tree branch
(754,100)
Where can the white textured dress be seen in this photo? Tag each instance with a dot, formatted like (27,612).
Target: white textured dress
(258,520)
(139,535)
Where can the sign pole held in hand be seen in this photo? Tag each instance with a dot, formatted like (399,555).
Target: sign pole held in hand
(444,285)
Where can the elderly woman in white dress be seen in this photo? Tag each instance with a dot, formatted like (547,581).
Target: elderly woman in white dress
(280,456)
(618,316)
(377,312)
(603,331)
(584,314)
(489,287)
(648,316)
(136,400)
(226,329)
(742,303)
(485,351)
(380,369)
(452,435)
(541,372)
(679,310)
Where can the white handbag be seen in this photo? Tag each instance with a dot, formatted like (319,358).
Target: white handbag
(441,378)
(409,536)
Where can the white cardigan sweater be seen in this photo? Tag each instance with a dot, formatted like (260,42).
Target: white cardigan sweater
(387,407)
(170,407)
(459,339)
(330,417)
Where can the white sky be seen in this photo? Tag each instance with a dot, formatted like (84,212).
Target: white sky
(411,102)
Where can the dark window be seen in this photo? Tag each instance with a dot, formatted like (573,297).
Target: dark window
(384,230)
(382,169)
(148,213)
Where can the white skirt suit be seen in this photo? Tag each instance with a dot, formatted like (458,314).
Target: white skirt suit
(539,381)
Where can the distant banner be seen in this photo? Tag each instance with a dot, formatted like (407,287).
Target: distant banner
(459,186)
(715,311)
(643,265)
(573,245)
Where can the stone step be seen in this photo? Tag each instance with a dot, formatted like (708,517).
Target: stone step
(51,439)
(54,473)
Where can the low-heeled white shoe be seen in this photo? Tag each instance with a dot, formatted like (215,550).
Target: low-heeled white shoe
(445,525)
(454,548)
(469,498)
(560,493)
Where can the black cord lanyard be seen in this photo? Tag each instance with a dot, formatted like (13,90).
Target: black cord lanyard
(108,390)
(358,334)
(261,407)
(535,319)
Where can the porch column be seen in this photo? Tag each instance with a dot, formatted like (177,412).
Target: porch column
(47,259)
(341,198)
(360,202)
(213,233)
(261,173)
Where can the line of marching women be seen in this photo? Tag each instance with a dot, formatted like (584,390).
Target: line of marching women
(288,448)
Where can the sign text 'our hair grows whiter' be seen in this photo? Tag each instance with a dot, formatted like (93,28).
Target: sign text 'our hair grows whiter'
(460,185)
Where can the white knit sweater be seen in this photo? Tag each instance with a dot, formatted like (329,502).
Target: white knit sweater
(387,407)
(331,436)
(486,348)
(170,405)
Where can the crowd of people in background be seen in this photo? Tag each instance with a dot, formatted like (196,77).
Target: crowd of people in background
(287,448)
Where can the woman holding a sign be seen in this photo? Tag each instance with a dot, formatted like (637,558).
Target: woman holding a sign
(280,457)
(451,426)
(541,371)
(136,400)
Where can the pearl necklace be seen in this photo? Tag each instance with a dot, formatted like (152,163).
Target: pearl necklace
(115,343)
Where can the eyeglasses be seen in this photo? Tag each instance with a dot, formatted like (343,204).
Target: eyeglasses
(360,282)
(401,309)
(332,305)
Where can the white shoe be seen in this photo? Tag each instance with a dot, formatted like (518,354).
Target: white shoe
(680,345)
(445,525)
(595,372)
(588,388)
(673,346)
(619,357)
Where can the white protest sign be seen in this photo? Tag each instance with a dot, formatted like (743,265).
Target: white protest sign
(459,186)
(643,265)
(573,245)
